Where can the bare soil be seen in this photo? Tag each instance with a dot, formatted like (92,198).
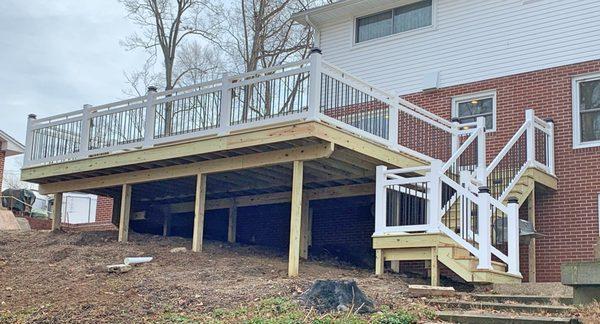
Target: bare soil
(62,277)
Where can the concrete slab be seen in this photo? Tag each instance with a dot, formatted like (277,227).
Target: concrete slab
(517,308)
(479,318)
(428,291)
(584,277)
(523,299)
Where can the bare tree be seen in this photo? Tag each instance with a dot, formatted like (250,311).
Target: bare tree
(261,34)
(165,26)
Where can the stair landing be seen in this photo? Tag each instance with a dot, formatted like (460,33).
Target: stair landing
(435,248)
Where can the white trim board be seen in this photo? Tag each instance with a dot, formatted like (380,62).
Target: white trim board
(577,143)
(478,95)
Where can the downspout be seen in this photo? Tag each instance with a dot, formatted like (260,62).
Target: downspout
(316,34)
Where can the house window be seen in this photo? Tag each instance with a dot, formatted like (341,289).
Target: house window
(412,16)
(586,111)
(469,107)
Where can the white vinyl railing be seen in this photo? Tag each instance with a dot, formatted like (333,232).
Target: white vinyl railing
(452,197)
(310,89)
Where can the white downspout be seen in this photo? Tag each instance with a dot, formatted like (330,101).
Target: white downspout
(316,34)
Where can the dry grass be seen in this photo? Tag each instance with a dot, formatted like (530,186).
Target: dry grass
(62,277)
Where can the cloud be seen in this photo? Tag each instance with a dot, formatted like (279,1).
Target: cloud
(56,56)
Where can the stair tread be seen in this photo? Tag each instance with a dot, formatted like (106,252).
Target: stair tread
(483,318)
(523,298)
(498,272)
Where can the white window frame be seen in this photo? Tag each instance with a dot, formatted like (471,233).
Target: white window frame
(577,143)
(407,33)
(477,96)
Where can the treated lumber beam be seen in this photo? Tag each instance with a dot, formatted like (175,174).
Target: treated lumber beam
(57,211)
(196,147)
(279,197)
(233,141)
(379,262)
(347,140)
(435,270)
(200,205)
(302,153)
(532,244)
(125,213)
(295,219)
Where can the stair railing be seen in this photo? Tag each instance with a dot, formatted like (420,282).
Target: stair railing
(531,146)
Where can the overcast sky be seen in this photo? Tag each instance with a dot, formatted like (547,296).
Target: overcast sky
(57,55)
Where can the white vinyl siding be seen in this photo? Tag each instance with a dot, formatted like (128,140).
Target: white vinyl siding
(470,41)
(586,111)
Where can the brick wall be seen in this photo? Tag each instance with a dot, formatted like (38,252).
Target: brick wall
(104,208)
(2,157)
(569,216)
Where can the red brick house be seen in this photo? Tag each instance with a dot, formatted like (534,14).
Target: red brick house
(464,137)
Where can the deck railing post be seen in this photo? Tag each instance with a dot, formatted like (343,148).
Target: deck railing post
(29,140)
(481,152)
(380,199)
(393,127)
(84,145)
(513,236)
(455,136)
(150,117)
(435,197)
(484,229)
(550,145)
(530,120)
(225,111)
(314,96)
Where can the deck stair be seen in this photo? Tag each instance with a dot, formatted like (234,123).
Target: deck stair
(470,206)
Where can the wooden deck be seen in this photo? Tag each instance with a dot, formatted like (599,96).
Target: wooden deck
(294,162)
(254,160)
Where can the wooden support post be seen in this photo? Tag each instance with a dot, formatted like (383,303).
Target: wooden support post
(57,212)
(435,270)
(296,217)
(379,262)
(167,223)
(232,224)
(310,221)
(531,217)
(304,228)
(200,206)
(125,212)
(395,266)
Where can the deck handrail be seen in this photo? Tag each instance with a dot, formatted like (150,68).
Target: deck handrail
(280,94)
(456,188)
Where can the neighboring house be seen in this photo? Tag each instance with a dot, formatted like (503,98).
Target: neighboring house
(79,209)
(424,133)
(8,147)
(85,211)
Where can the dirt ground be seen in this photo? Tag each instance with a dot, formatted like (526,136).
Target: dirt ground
(47,277)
